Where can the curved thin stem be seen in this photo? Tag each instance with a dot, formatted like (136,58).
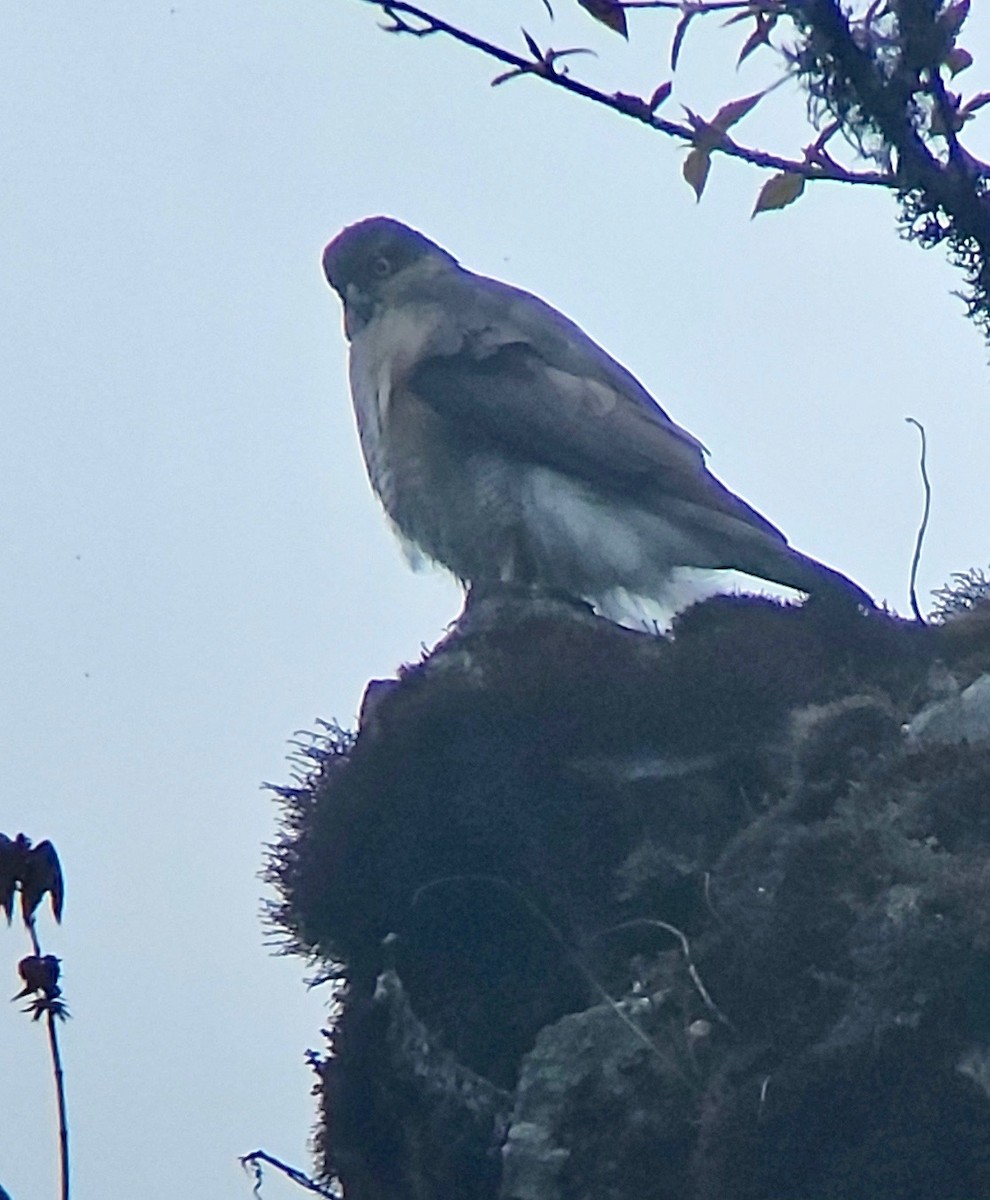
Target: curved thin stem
(572,957)
(915,608)
(58,1074)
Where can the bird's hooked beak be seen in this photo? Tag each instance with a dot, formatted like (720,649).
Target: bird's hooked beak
(358,310)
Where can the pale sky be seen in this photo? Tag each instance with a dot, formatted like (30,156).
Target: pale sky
(193,564)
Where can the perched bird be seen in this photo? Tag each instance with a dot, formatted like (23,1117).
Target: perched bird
(507,445)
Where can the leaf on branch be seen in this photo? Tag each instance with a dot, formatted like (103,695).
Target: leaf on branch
(679,32)
(951,19)
(638,107)
(608,12)
(515,73)
(544,61)
(696,167)
(660,95)
(778,191)
(759,37)
(958,60)
(816,152)
(977,102)
(41,874)
(39,974)
(706,136)
(734,111)
(10,870)
(41,1006)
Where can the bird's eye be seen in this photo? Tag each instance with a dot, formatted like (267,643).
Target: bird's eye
(381,266)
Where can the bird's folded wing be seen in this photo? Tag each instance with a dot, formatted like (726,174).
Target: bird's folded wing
(590,423)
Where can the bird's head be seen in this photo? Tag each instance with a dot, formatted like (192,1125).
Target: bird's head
(363,262)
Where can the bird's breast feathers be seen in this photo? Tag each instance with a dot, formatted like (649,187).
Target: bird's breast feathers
(383,355)
(390,346)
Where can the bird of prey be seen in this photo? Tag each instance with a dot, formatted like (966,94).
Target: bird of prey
(508,446)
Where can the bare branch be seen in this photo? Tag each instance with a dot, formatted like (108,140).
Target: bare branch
(257,1158)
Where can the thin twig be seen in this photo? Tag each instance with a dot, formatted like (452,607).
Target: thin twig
(627,106)
(924,521)
(692,970)
(569,954)
(63,1120)
(58,1074)
(257,1157)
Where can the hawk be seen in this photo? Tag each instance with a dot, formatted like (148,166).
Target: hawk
(507,445)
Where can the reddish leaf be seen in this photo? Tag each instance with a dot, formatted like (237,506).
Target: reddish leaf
(978,101)
(779,191)
(755,40)
(759,37)
(515,73)
(706,137)
(958,60)
(534,49)
(609,12)
(679,32)
(697,123)
(951,19)
(660,95)
(734,111)
(696,167)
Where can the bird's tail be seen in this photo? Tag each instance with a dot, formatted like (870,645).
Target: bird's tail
(790,567)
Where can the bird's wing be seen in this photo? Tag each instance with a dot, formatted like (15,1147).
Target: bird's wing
(41,872)
(10,863)
(522,377)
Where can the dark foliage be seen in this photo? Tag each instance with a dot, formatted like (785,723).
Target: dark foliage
(882,79)
(34,871)
(618,915)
